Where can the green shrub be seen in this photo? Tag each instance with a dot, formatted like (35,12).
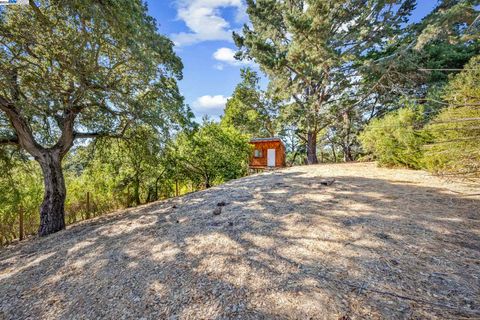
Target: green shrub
(455,149)
(395,140)
(213,154)
(21,194)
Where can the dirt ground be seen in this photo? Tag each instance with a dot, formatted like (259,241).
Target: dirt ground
(376,244)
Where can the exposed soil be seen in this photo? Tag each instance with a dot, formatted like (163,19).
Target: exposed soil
(377,244)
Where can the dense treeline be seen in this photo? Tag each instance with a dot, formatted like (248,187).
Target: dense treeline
(113,173)
(355,80)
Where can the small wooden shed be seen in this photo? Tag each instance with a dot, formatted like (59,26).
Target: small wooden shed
(267,153)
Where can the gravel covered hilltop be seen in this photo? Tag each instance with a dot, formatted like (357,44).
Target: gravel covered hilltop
(346,241)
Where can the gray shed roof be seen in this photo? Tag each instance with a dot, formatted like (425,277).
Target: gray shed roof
(266,139)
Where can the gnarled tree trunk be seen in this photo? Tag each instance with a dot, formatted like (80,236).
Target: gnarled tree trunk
(52,211)
(312,147)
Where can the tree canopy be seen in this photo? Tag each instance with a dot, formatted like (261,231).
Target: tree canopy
(212,153)
(455,130)
(81,70)
(249,109)
(312,52)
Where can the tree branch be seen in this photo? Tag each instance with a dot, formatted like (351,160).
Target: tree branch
(301,137)
(93,135)
(21,127)
(38,12)
(66,140)
(9,141)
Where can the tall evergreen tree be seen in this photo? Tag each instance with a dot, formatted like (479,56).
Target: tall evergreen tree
(419,64)
(312,51)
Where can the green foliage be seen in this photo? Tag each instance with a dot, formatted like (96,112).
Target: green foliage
(213,153)
(444,55)
(83,70)
(448,144)
(249,110)
(118,173)
(312,50)
(107,67)
(418,67)
(452,21)
(456,130)
(395,140)
(417,64)
(20,193)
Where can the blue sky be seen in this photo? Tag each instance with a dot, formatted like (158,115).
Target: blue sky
(202,32)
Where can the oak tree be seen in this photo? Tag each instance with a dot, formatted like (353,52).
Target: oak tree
(81,69)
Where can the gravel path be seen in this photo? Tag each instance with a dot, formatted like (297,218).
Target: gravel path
(377,244)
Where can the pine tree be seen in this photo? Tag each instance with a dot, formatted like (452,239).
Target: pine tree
(312,51)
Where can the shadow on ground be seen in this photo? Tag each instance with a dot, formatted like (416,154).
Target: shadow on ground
(285,246)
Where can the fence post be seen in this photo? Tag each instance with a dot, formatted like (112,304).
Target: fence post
(21,224)
(88,205)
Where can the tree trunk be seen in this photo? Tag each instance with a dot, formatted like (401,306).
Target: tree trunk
(347,145)
(52,211)
(136,191)
(294,158)
(207,182)
(156,188)
(20,229)
(88,205)
(312,148)
(347,153)
(333,152)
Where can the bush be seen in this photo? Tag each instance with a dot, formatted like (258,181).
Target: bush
(213,154)
(21,194)
(455,149)
(396,140)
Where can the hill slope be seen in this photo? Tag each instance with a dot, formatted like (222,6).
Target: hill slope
(377,243)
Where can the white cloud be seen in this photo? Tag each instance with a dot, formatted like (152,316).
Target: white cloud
(204,19)
(210,105)
(226,56)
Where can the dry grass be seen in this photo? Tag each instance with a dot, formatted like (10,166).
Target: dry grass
(377,244)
